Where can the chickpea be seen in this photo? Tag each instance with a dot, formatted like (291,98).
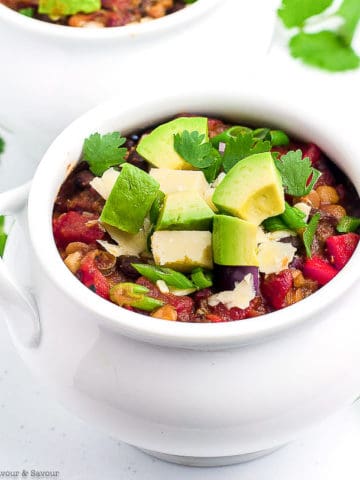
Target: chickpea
(73,261)
(156,11)
(76,247)
(166,312)
(298,278)
(83,20)
(327,195)
(311,199)
(336,211)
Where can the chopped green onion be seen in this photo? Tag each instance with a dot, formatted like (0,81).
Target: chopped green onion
(293,217)
(309,233)
(201,279)
(348,224)
(262,133)
(274,224)
(171,277)
(133,295)
(231,132)
(28,12)
(278,138)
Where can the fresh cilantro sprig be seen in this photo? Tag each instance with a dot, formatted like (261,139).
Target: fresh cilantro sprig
(298,176)
(329,50)
(3,235)
(192,148)
(308,235)
(104,151)
(2,145)
(242,146)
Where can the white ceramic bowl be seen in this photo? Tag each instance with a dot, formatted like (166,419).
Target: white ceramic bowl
(53,73)
(199,394)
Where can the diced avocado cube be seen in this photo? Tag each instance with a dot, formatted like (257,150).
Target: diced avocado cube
(182,250)
(158,147)
(185,211)
(234,241)
(130,199)
(252,189)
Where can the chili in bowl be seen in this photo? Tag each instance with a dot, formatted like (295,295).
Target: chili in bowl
(197,220)
(200,393)
(94,13)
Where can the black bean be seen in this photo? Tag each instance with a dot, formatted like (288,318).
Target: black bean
(124,265)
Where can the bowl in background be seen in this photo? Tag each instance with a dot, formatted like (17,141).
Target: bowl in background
(55,73)
(197,394)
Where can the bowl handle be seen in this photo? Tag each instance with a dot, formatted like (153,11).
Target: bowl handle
(17,303)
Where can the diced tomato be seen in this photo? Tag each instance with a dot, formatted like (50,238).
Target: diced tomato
(316,268)
(76,227)
(341,247)
(214,318)
(91,277)
(275,288)
(215,127)
(228,314)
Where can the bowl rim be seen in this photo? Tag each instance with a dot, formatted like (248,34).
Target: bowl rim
(189,335)
(131,32)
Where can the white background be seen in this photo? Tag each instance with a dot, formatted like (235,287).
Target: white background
(37,433)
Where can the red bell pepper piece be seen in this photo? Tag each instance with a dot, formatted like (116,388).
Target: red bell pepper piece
(76,227)
(275,288)
(316,268)
(92,278)
(341,247)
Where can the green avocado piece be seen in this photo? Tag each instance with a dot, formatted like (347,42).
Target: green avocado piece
(252,189)
(185,211)
(234,241)
(158,147)
(130,199)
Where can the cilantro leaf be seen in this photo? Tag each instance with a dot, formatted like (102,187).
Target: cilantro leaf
(59,8)
(240,147)
(297,174)
(213,170)
(3,235)
(293,13)
(350,11)
(325,50)
(102,151)
(309,233)
(191,147)
(2,145)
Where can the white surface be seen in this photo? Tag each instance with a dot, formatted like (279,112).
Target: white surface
(38,433)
